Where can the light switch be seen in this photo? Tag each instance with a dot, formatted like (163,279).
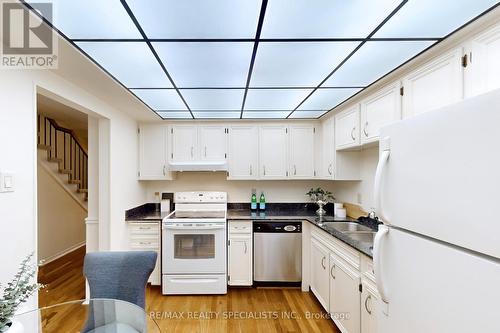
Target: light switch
(6,182)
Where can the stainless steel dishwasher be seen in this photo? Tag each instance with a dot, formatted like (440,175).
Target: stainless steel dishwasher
(277,255)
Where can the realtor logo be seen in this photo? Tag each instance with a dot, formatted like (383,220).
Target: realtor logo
(27,42)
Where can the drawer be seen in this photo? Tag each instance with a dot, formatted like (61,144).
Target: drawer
(144,229)
(145,244)
(240,227)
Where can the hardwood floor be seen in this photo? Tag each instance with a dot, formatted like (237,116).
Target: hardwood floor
(241,310)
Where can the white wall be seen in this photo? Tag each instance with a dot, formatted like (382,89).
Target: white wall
(61,220)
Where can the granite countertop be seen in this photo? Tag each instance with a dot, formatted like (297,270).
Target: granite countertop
(149,212)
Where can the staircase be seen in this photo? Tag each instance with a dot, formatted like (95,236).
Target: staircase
(60,152)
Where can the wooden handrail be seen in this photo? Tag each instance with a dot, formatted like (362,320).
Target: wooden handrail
(67,130)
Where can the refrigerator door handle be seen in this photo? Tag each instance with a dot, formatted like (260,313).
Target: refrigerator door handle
(377,188)
(383,230)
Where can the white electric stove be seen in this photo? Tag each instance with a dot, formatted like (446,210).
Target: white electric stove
(194,244)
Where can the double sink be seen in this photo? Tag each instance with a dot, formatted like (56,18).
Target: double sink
(354,230)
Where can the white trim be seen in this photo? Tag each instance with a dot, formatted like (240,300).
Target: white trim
(43,262)
(91,220)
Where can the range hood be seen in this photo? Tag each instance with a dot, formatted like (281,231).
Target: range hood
(199,166)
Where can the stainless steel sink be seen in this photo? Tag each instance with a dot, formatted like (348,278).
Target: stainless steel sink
(362,236)
(347,226)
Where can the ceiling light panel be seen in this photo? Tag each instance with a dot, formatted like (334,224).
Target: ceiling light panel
(325,99)
(132,63)
(92,19)
(206,64)
(213,99)
(160,99)
(307,114)
(324,18)
(430,18)
(298,64)
(274,99)
(373,60)
(217,115)
(174,115)
(197,18)
(265,114)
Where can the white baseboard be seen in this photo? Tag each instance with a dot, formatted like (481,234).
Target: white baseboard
(56,256)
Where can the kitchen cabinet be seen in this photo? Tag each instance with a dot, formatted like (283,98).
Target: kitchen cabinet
(243,158)
(369,301)
(273,148)
(328,151)
(301,143)
(319,271)
(212,142)
(482,72)
(347,134)
(153,152)
(184,143)
(344,295)
(378,110)
(240,251)
(146,237)
(437,84)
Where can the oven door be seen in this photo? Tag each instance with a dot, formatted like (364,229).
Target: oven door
(194,248)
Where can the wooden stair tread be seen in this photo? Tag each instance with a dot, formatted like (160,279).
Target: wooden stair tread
(65,171)
(82,190)
(54,159)
(74,181)
(45,147)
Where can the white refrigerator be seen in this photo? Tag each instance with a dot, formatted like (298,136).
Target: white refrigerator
(437,190)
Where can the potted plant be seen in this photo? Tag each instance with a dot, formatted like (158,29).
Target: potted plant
(16,292)
(320,197)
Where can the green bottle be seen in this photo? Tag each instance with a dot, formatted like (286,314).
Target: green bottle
(253,203)
(262,201)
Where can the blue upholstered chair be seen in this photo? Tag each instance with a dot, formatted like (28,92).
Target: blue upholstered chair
(120,276)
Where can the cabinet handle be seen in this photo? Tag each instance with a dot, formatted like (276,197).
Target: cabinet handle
(264,170)
(366,304)
(164,171)
(294,170)
(192,151)
(251,172)
(245,247)
(352,133)
(205,151)
(145,228)
(330,169)
(331,271)
(145,243)
(323,262)
(364,129)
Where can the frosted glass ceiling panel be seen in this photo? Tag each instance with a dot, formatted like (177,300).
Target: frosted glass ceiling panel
(274,99)
(213,99)
(266,114)
(92,19)
(307,114)
(132,63)
(297,64)
(175,115)
(197,18)
(373,60)
(324,18)
(431,18)
(206,64)
(160,99)
(217,115)
(325,99)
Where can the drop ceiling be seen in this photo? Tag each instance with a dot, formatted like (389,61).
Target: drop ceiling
(255,59)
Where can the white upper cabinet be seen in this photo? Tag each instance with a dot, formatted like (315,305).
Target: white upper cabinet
(184,143)
(301,162)
(153,150)
(273,147)
(347,133)
(378,110)
(437,84)
(328,151)
(243,156)
(212,142)
(482,73)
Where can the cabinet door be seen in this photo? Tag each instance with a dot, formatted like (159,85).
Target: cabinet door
(240,260)
(273,152)
(243,156)
(347,128)
(212,143)
(320,272)
(482,73)
(301,141)
(379,110)
(369,300)
(184,142)
(328,138)
(344,296)
(153,152)
(435,85)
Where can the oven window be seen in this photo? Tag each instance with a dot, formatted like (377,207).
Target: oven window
(194,246)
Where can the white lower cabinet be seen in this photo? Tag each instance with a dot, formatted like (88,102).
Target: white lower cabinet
(342,280)
(146,237)
(240,251)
